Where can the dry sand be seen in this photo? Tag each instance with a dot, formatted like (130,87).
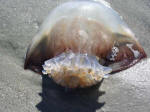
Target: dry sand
(25,91)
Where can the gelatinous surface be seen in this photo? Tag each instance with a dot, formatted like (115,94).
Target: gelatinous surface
(75,70)
(85,27)
(22,90)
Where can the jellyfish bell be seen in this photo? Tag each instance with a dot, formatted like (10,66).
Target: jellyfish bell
(81,42)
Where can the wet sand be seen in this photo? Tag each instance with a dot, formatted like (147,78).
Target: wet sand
(24,91)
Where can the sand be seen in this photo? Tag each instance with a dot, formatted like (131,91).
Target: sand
(25,91)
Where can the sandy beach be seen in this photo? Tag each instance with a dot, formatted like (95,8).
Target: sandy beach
(25,91)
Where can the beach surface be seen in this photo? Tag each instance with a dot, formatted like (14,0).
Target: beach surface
(25,91)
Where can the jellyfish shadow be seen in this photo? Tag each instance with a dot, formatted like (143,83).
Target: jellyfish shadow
(59,99)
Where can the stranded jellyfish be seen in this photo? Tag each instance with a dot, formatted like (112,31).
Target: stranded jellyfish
(82,42)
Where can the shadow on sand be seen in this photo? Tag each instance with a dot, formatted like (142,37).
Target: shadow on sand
(59,99)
